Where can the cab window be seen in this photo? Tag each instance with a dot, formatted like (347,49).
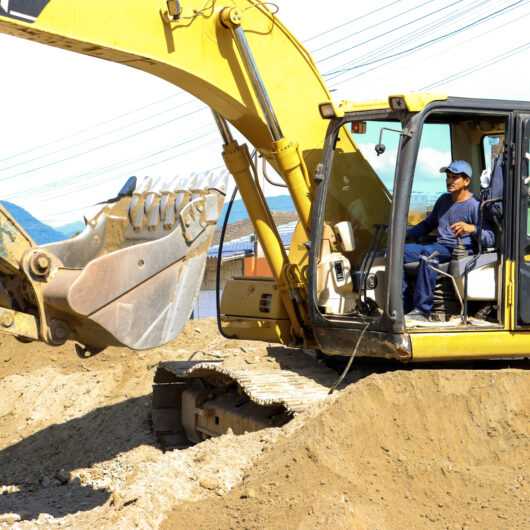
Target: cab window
(491,148)
(428,184)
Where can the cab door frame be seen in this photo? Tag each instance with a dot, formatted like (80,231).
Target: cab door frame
(519,287)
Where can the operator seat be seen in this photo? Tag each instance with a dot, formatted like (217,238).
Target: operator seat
(482,278)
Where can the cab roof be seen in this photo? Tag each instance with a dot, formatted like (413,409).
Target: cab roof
(418,101)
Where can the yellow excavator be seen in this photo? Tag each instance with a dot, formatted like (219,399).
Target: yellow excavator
(131,276)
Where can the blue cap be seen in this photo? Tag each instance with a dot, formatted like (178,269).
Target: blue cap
(458,166)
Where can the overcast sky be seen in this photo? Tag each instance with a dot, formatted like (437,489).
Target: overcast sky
(463,47)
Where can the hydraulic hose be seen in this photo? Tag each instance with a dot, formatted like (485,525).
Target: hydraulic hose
(218,269)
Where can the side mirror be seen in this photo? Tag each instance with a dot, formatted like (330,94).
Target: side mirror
(345,236)
(380,149)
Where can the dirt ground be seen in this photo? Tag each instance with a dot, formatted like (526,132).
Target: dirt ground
(424,448)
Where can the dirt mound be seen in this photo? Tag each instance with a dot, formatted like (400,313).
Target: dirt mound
(76,447)
(407,449)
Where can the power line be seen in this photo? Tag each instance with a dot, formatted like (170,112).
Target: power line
(489,31)
(409,37)
(102,146)
(77,144)
(406,24)
(481,66)
(143,107)
(127,114)
(165,99)
(379,23)
(80,131)
(351,21)
(438,39)
(97,178)
(113,166)
(392,61)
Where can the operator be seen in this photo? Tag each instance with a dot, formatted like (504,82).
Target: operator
(455,217)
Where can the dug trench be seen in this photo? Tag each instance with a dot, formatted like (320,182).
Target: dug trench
(423,448)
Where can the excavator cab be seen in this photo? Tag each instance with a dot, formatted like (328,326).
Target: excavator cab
(357,266)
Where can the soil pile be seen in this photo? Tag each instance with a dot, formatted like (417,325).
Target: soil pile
(402,449)
(407,449)
(76,447)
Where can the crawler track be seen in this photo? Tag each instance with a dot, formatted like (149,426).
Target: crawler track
(187,394)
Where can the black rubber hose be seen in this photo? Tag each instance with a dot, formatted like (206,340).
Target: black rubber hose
(218,270)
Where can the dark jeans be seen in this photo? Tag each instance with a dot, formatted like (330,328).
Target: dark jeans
(422,298)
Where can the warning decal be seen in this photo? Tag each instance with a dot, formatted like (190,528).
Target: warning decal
(26,10)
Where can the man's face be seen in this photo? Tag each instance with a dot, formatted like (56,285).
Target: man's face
(456,181)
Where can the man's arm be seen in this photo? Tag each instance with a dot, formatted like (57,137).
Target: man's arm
(426,226)
(487,236)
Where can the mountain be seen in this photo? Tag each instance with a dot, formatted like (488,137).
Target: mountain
(40,233)
(420,201)
(280,203)
(71,229)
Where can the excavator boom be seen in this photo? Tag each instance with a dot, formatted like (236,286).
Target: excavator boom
(240,60)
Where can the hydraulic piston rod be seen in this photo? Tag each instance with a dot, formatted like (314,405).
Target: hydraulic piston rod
(289,161)
(238,162)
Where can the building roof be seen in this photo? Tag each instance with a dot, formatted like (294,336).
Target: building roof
(244,246)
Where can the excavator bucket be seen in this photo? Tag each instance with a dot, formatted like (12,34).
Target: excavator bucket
(132,276)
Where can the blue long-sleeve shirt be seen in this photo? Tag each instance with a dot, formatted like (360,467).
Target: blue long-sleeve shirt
(444,214)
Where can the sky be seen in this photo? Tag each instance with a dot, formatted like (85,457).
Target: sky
(73,128)
(434,153)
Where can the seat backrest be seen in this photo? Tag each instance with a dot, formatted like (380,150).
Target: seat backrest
(493,209)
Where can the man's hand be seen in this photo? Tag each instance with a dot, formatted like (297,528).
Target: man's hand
(461,228)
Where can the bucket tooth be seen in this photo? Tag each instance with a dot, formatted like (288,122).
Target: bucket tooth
(167,209)
(152,210)
(182,197)
(136,211)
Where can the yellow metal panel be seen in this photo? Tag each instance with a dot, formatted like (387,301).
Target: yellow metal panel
(509,295)
(244,296)
(416,102)
(267,330)
(18,324)
(477,344)
(361,106)
(469,345)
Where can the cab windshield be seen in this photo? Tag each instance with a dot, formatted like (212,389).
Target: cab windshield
(356,212)
(378,142)
(348,177)
(351,272)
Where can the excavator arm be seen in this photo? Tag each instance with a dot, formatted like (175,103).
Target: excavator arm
(237,58)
